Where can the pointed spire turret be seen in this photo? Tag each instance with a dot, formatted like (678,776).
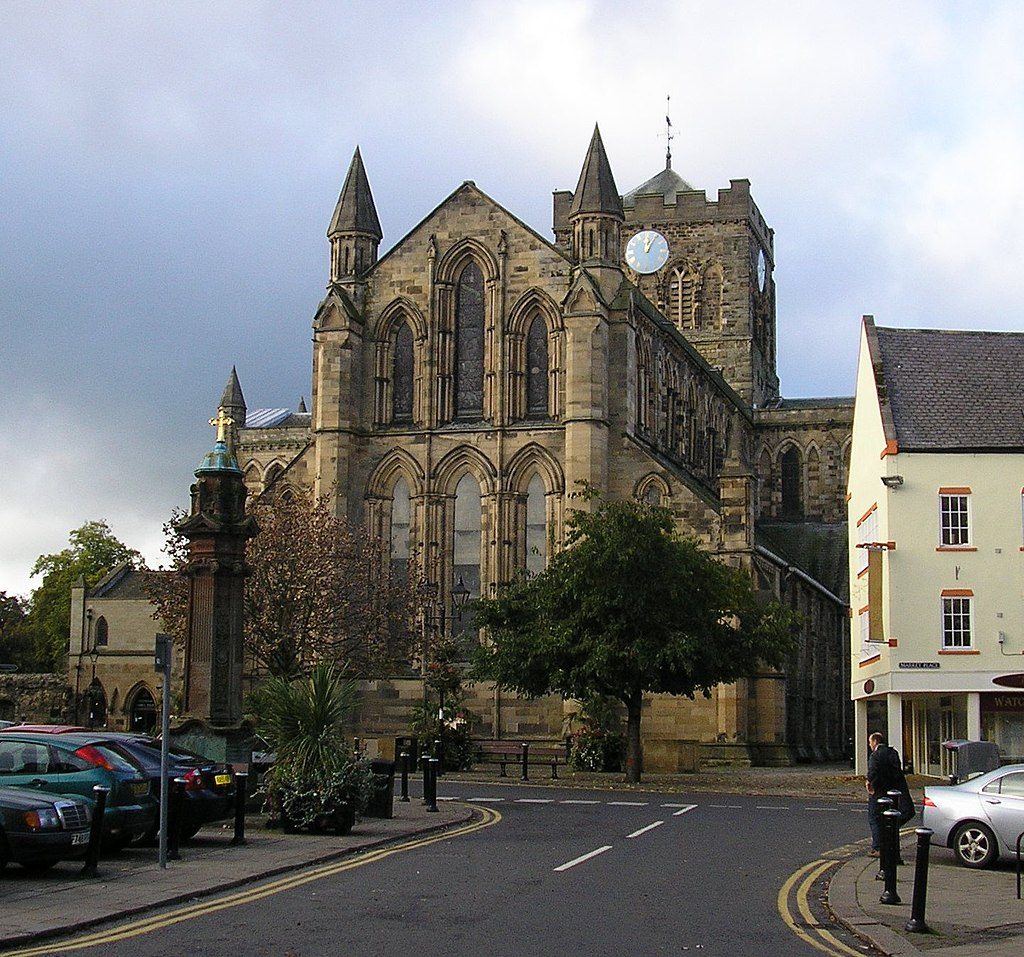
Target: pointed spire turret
(302,404)
(596,191)
(596,211)
(232,404)
(355,229)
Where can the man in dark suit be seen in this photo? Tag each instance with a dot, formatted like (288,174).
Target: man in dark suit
(885,773)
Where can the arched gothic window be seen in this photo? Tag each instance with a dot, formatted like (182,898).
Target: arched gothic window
(791,481)
(400,523)
(402,374)
(102,632)
(652,494)
(536,527)
(142,714)
(466,547)
(469,344)
(537,369)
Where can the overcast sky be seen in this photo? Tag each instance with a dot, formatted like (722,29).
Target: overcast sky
(168,172)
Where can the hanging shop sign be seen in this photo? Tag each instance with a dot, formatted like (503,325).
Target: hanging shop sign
(1009,681)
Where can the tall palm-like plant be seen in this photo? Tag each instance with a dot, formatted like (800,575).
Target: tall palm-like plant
(303,719)
(315,781)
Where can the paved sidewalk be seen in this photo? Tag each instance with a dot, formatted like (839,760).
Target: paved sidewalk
(969,913)
(61,902)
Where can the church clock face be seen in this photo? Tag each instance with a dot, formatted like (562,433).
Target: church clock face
(647,251)
(762,270)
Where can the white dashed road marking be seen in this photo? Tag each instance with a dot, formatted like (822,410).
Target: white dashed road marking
(769,807)
(683,810)
(535,800)
(821,809)
(644,830)
(579,802)
(627,803)
(727,807)
(490,800)
(582,858)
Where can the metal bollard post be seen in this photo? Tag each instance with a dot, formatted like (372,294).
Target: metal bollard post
(355,747)
(895,797)
(916,924)
(891,839)
(241,780)
(884,804)
(432,776)
(404,758)
(92,853)
(526,761)
(425,769)
(439,754)
(174,816)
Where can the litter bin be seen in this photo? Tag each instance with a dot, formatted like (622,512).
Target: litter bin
(382,804)
(410,744)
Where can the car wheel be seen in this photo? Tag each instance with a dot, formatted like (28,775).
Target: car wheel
(189,831)
(974,845)
(37,867)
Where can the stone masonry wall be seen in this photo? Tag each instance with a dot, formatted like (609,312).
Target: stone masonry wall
(37,699)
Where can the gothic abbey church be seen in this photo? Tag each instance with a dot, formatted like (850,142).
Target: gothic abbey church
(467,379)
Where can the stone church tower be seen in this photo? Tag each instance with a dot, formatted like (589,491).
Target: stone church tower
(465,382)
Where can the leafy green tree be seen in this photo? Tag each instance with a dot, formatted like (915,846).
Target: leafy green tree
(628,607)
(17,642)
(93,551)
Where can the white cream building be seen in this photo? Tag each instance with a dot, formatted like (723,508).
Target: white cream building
(936,518)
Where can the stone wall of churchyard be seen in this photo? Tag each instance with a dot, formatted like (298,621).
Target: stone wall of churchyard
(39,699)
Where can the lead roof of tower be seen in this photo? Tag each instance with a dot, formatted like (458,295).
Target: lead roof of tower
(596,191)
(232,397)
(666,183)
(355,212)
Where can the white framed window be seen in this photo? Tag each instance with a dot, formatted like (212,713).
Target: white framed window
(957,624)
(867,531)
(954,518)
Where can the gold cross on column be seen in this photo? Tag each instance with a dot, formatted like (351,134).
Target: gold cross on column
(222,422)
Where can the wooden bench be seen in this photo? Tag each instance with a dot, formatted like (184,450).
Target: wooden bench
(522,753)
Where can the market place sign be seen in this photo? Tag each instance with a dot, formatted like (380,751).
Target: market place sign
(919,665)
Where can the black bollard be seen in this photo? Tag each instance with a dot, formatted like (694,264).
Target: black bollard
(891,855)
(175,812)
(439,754)
(526,761)
(425,770)
(916,924)
(241,779)
(355,747)
(432,777)
(404,760)
(895,797)
(884,803)
(92,853)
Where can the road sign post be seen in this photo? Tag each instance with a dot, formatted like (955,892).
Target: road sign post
(162,666)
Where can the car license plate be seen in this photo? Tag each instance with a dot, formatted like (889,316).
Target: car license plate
(140,787)
(82,838)
(222,779)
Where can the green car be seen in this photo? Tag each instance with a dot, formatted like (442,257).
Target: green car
(48,762)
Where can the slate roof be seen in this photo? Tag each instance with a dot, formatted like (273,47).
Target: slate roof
(816,548)
(666,184)
(277,419)
(953,390)
(123,583)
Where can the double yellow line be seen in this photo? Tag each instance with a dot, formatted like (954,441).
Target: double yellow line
(807,928)
(147,925)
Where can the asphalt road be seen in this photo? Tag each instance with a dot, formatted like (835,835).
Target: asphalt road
(561,872)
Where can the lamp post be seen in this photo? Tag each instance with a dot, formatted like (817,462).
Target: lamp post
(435,620)
(82,645)
(94,655)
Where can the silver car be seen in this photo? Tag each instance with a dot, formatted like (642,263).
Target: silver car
(980,819)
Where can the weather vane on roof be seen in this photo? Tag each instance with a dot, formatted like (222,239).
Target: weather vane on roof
(668,133)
